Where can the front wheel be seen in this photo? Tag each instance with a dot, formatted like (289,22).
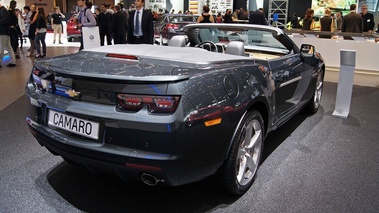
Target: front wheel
(244,156)
(314,102)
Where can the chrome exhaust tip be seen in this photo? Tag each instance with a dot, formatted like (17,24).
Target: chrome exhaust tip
(150,180)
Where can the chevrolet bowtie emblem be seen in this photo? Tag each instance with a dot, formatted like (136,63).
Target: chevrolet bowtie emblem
(72,93)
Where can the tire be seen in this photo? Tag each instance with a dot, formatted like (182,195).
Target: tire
(314,103)
(241,166)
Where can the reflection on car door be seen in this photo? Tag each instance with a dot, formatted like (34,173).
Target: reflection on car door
(291,77)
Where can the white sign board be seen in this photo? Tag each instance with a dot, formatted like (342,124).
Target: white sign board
(91,37)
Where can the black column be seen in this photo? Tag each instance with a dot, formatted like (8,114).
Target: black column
(237,4)
(185,5)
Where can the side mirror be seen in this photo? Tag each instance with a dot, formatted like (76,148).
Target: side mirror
(307,50)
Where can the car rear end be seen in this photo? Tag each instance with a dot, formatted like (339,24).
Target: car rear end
(112,113)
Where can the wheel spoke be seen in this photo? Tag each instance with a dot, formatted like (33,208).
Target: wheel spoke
(248,135)
(241,152)
(242,168)
(255,140)
(251,164)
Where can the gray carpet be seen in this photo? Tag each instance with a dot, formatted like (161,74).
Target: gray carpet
(314,163)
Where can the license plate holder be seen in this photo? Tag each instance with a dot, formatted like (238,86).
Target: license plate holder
(78,126)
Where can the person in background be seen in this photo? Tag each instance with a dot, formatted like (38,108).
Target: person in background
(21,26)
(352,22)
(295,21)
(41,29)
(228,16)
(235,15)
(244,15)
(327,23)
(219,18)
(109,9)
(13,28)
(85,18)
(308,22)
(26,16)
(119,26)
(105,25)
(4,37)
(205,16)
(368,19)
(258,17)
(56,22)
(140,25)
(339,20)
(32,29)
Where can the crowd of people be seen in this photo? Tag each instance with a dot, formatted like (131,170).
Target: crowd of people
(353,22)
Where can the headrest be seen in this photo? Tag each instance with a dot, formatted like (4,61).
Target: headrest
(235,48)
(177,41)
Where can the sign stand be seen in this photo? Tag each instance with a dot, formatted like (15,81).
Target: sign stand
(345,83)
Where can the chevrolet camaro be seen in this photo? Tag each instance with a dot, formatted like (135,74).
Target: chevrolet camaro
(175,114)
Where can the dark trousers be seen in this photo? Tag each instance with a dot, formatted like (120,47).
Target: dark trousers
(119,39)
(136,40)
(14,39)
(109,38)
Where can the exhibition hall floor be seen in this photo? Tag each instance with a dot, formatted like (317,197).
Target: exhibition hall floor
(316,163)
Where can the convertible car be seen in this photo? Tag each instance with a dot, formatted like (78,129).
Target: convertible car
(175,114)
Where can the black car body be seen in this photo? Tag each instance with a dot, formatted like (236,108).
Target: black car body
(170,25)
(174,114)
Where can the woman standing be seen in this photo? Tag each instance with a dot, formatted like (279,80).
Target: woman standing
(13,28)
(205,16)
(308,22)
(41,26)
(32,29)
(327,23)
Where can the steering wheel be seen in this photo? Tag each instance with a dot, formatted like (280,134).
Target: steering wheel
(210,43)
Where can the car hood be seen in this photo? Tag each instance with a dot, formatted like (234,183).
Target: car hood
(133,62)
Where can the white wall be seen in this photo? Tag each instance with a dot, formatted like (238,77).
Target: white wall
(366,51)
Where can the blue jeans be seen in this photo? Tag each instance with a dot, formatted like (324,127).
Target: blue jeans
(40,37)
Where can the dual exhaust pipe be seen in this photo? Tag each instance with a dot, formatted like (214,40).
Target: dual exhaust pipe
(151,180)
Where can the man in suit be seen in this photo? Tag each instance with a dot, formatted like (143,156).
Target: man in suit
(140,24)
(368,19)
(119,26)
(105,25)
(352,22)
(258,17)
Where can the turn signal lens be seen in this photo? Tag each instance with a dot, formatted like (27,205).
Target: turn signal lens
(157,104)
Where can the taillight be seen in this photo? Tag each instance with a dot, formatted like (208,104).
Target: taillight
(157,104)
(172,26)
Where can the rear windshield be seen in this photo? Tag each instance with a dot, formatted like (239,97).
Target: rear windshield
(177,19)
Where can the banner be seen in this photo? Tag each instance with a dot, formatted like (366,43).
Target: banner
(91,37)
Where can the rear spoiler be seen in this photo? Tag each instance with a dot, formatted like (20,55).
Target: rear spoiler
(113,78)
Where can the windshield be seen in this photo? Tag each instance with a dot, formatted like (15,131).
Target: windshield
(250,37)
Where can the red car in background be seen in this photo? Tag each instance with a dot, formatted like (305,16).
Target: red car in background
(72,29)
(170,25)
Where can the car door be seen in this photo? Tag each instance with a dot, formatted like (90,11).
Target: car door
(291,77)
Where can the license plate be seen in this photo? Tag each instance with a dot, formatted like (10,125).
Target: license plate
(73,124)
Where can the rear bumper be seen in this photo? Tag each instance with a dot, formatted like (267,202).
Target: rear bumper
(184,155)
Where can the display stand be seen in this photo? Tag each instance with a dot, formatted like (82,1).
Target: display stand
(345,83)
(91,37)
